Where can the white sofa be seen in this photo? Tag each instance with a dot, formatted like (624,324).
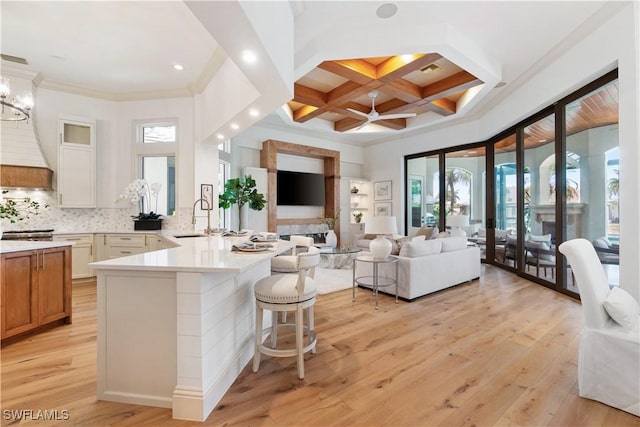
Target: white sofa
(427,266)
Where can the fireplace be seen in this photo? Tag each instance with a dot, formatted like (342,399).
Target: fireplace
(544,220)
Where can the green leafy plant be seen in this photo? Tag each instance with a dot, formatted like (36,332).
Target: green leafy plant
(19,209)
(142,216)
(241,191)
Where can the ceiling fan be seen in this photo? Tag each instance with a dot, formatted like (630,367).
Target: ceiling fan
(374,115)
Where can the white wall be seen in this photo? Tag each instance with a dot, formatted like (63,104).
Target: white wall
(115,135)
(613,43)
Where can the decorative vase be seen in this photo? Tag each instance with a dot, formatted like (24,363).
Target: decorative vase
(330,238)
(355,190)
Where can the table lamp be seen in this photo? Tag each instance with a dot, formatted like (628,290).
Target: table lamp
(380,247)
(456,222)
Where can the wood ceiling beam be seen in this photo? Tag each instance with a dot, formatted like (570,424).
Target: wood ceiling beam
(355,106)
(397,67)
(395,124)
(404,90)
(309,96)
(450,85)
(348,91)
(306,113)
(357,70)
(346,124)
(443,106)
(393,106)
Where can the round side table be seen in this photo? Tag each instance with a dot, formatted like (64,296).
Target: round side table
(375,281)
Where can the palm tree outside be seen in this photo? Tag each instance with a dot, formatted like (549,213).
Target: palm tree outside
(455,177)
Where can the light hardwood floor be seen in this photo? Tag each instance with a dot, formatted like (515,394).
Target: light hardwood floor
(498,351)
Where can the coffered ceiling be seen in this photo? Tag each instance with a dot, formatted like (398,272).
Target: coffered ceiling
(400,85)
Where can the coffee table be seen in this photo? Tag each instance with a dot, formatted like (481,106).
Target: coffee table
(337,257)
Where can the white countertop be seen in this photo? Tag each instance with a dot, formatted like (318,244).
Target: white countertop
(7,246)
(196,254)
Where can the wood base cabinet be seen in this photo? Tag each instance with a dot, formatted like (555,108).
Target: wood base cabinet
(36,289)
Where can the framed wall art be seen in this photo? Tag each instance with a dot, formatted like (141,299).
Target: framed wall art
(382,190)
(206,193)
(382,209)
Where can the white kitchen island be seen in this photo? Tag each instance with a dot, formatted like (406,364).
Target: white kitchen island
(176,326)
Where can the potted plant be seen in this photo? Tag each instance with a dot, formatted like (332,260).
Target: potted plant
(358,217)
(241,191)
(137,192)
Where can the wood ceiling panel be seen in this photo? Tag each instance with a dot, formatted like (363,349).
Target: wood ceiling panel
(335,86)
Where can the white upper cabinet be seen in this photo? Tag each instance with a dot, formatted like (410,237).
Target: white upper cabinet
(76,175)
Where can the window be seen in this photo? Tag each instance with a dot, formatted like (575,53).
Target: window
(157,133)
(155,155)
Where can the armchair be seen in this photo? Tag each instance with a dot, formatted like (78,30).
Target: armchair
(609,355)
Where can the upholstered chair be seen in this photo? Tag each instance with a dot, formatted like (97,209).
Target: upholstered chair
(538,253)
(287,263)
(282,293)
(605,256)
(609,355)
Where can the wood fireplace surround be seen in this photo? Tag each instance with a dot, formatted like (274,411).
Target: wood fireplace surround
(269,161)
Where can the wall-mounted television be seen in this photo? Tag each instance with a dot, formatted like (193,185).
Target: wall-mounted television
(300,189)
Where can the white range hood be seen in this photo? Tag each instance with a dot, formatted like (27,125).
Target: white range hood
(22,163)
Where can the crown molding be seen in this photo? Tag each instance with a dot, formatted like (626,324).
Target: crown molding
(129,96)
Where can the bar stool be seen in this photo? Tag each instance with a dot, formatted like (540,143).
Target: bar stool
(287,263)
(282,293)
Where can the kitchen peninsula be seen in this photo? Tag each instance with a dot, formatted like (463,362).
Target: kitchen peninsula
(176,326)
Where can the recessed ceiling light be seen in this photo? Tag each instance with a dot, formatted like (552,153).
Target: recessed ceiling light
(253,112)
(406,58)
(235,126)
(500,84)
(178,67)
(249,57)
(220,136)
(387,10)
(542,140)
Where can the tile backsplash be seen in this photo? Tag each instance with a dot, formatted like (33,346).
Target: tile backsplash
(86,220)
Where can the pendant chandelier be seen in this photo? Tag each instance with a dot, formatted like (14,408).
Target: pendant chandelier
(14,109)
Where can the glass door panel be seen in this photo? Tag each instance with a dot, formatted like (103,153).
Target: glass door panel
(592,176)
(505,181)
(465,200)
(539,197)
(423,206)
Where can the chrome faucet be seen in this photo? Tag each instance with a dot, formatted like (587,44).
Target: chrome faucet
(207,230)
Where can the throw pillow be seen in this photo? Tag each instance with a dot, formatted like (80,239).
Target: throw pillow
(428,232)
(419,238)
(423,248)
(396,244)
(622,308)
(543,238)
(454,243)
(370,236)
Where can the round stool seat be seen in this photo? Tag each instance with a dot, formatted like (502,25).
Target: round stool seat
(281,289)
